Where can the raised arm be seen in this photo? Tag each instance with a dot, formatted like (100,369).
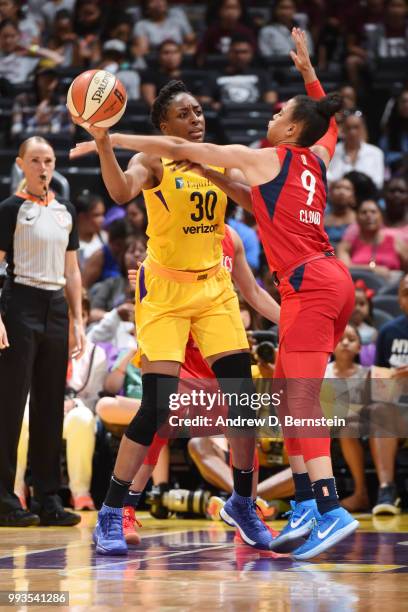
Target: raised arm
(245,281)
(324,147)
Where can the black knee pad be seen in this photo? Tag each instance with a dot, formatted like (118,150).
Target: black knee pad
(234,376)
(154,409)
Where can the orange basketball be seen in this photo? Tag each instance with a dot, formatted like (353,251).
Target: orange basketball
(97,97)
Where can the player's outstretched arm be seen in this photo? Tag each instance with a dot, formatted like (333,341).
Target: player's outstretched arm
(252,293)
(122,186)
(324,147)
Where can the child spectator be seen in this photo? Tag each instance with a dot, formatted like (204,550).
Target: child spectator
(362,317)
(240,81)
(345,367)
(396,208)
(64,40)
(341,213)
(41,111)
(136,216)
(275,39)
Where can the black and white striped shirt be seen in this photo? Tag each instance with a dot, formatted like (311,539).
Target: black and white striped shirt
(35,237)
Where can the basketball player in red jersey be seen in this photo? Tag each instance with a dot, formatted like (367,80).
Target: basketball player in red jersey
(195,366)
(286,190)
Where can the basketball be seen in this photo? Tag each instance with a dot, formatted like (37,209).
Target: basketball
(97,97)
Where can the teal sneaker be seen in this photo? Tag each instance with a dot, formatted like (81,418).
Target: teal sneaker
(302,517)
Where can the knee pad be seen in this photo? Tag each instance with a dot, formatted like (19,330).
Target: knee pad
(154,408)
(234,377)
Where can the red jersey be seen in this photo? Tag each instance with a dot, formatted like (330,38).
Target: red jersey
(194,365)
(289,210)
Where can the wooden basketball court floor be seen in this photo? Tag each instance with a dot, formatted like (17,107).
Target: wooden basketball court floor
(194,565)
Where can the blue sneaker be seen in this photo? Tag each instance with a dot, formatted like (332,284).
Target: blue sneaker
(240,512)
(330,528)
(108,533)
(302,517)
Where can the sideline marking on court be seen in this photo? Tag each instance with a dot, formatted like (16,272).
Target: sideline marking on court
(142,560)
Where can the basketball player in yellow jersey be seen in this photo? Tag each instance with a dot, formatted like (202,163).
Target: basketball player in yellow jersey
(181,287)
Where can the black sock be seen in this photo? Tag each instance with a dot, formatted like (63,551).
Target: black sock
(132,498)
(243,481)
(326,494)
(116,492)
(303,487)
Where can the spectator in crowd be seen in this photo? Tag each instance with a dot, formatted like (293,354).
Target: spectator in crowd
(116,290)
(356,154)
(275,39)
(265,361)
(85,380)
(120,27)
(159,23)
(64,40)
(90,210)
(89,22)
(396,207)
(107,261)
(389,37)
(383,449)
(227,19)
(364,186)
(372,249)
(50,9)
(170,58)
(340,212)
(43,110)
(330,43)
(18,63)
(346,368)
(27,25)
(392,342)
(362,19)
(349,96)
(362,316)
(114,60)
(394,141)
(395,213)
(248,236)
(137,217)
(241,82)
(116,329)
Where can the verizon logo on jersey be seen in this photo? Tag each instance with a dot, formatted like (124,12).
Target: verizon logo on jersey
(200,229)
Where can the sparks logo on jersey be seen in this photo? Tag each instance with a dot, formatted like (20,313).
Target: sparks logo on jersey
(179,183)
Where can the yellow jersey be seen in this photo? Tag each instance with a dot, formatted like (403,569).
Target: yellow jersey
(186,215)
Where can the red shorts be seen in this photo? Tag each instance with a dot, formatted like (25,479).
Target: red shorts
(317,299)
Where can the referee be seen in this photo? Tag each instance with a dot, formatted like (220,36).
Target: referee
(38,238)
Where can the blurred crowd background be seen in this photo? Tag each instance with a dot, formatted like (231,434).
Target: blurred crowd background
(234,57)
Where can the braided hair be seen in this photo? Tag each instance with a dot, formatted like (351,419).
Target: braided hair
(164,99)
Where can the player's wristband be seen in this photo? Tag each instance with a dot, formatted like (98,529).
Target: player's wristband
(315,89)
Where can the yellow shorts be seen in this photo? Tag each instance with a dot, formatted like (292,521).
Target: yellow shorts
(167,310)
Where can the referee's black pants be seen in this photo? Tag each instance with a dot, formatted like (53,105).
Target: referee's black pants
(36,322)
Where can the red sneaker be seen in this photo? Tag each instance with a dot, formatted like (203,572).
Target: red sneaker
(129,521)
(83,502)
